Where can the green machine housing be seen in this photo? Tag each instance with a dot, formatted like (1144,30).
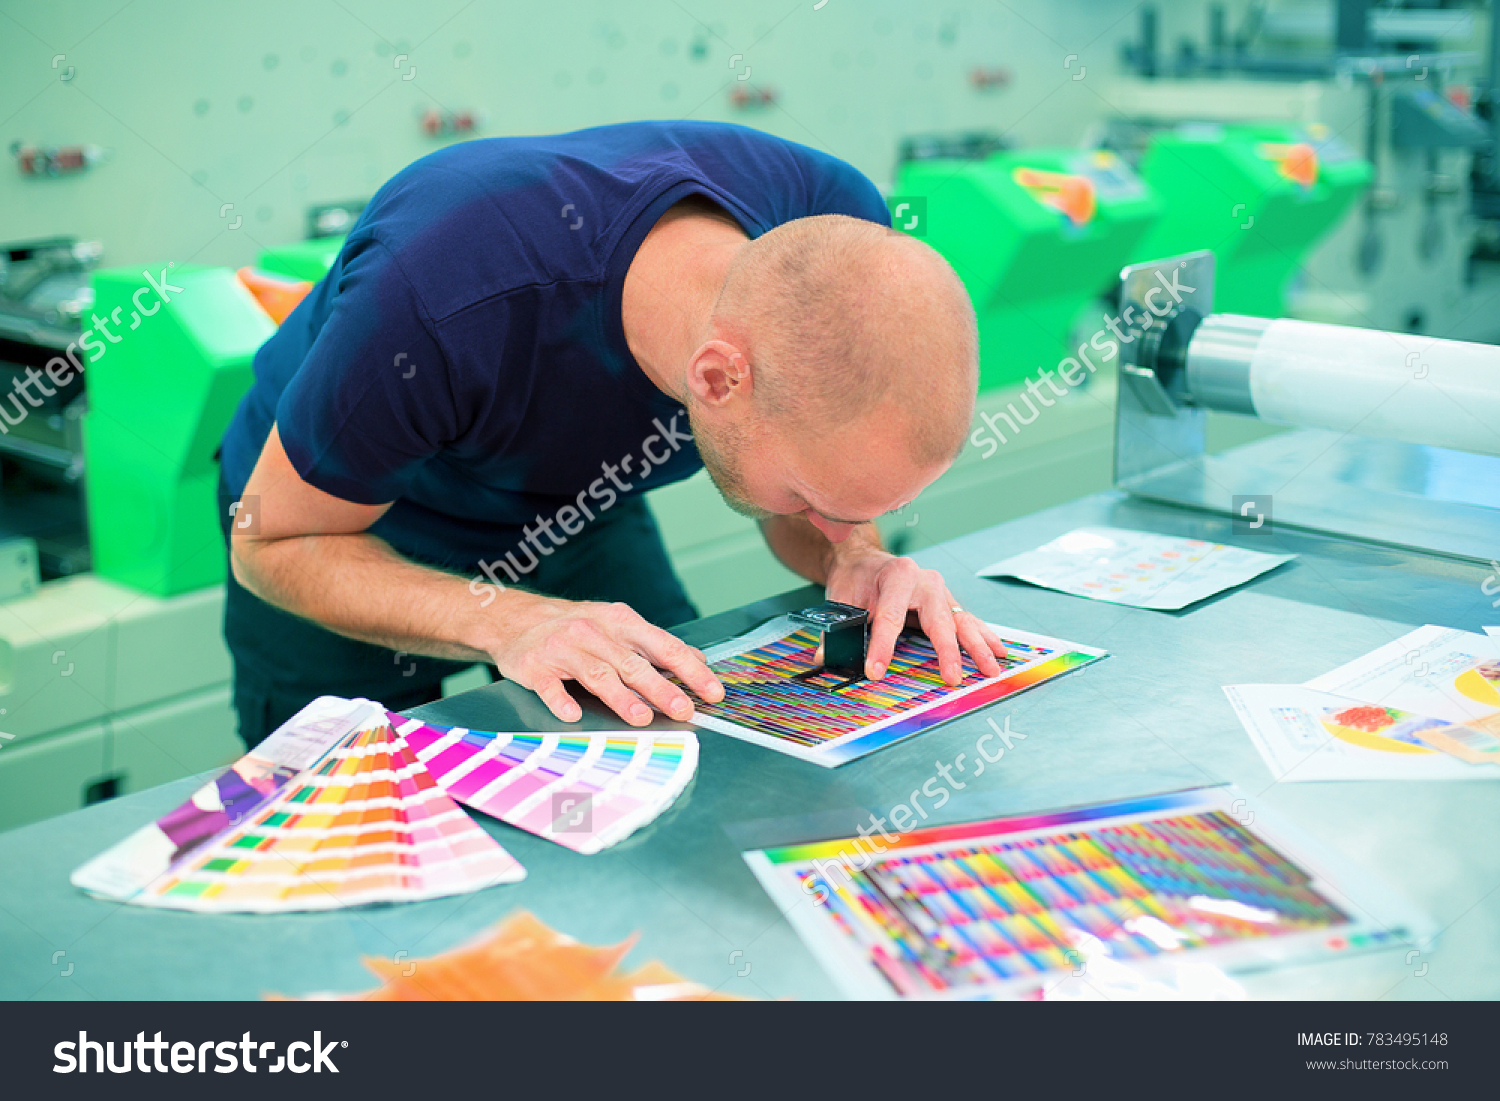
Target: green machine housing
(159,402)
(1258,196)
(1036,235)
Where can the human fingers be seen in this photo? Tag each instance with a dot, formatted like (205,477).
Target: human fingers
(979,642)
(666,651)
(600,677)
(557,699)
(637,673)
(938,615)
(888,616)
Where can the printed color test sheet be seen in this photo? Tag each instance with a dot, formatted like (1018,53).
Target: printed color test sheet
(1424,707)
(1137,568)
(1438,671)
(778,696)
(1307,736)
(1015,906)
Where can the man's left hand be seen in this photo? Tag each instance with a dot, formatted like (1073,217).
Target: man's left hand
(896,590)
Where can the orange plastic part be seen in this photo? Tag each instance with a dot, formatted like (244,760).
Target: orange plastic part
(1070,195)
(1298,162)
(277,295)
(521,959)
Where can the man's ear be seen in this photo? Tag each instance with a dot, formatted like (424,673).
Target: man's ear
(719,373)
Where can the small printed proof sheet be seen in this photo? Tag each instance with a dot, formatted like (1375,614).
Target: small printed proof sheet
(1161,572)
(1424,707)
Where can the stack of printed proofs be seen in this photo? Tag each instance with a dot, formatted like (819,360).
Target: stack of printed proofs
(1424,707)
(334,809)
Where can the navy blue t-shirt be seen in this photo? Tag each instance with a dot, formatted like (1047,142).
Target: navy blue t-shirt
(465,356)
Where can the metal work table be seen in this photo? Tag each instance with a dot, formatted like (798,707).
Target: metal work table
(1151,717)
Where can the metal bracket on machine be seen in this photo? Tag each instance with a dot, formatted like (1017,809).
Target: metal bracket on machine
(1153,428)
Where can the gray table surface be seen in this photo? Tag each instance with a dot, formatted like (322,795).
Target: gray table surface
(1151,717)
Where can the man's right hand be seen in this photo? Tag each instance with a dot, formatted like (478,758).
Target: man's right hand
(608,649)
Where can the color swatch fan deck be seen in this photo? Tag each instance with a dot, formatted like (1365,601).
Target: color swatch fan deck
(585,789)
(1022,906)
(777,694)
(333,810)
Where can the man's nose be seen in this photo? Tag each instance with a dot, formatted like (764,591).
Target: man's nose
(836,532)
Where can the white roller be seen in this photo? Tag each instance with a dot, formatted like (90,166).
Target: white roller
(1442,393)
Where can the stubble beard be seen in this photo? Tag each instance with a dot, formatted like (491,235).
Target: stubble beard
(723,458)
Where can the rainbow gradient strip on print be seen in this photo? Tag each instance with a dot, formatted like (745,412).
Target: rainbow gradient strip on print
(957,909)
(767,690)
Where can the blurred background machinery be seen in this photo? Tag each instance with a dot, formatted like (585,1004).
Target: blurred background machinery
(1035,234)
(113,676)
(1407,89)
(1340,161)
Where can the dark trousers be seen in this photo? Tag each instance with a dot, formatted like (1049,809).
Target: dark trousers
(282,662)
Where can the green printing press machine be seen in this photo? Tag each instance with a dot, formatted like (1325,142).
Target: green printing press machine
(1039,236)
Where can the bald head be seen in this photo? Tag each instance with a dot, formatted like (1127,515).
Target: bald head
(843,320)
